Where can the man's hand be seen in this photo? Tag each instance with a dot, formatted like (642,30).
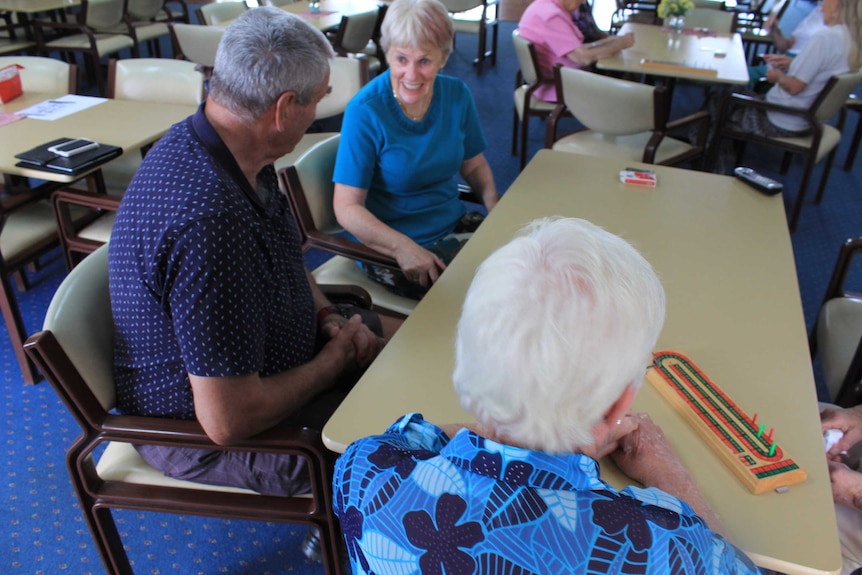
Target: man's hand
(647,457)
(846,485)
(352,341)
(418,264)
(848,421)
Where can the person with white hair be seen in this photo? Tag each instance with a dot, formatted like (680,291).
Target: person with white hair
(556,332)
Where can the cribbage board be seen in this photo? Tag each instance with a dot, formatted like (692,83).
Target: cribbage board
(744,446)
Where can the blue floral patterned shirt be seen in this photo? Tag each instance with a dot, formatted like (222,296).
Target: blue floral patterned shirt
(414,501)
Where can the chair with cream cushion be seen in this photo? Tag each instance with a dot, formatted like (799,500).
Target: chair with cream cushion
(309,187)
(528,79)
(45,75)
(197,44)
(13,36)
(821,143)
(75,352)
(141,79)
(220,12)
(477,17)
(347,76)
(83,36)
(356,37)
(710,19)
(622,119)
(837,334)
(148,19)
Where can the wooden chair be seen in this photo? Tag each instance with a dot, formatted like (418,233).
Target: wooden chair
(822,142)
(220,12)
(149,20)
(83,36)
(309,187)
(347,76)
(477,17)
(197,44)
(141,79)
(837,334)
(45,75)
(75,352)
(710,19)
(356,35)
(13,37)
(853,104)
(527,80)
(622,119)
(640,11)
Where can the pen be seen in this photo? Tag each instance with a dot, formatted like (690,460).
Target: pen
(59,102)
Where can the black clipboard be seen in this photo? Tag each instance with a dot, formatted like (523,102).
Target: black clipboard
(39,158)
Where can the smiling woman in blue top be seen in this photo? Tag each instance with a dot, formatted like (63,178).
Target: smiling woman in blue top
(404,139)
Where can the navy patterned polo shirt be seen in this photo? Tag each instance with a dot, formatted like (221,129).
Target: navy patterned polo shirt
(206,275)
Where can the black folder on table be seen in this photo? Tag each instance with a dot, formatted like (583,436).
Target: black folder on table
(39,158)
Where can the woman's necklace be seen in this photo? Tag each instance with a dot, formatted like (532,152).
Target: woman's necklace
(414,117)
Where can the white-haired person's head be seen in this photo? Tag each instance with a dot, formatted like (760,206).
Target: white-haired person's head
(555,327)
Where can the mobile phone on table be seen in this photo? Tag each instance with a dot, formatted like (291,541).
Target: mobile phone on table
(73,147)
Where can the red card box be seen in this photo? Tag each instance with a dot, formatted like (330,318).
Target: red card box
(10,83)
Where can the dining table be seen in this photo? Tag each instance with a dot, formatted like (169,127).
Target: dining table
(723,252)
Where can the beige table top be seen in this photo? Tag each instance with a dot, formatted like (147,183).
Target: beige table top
(33,6)
(723,252)
(123,123)
(688,51)
(330,13)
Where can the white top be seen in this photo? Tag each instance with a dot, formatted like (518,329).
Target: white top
(825,56)
(806,29)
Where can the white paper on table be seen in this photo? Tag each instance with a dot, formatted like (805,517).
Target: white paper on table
(57,108)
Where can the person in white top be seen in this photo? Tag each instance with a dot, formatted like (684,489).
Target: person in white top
(798,81)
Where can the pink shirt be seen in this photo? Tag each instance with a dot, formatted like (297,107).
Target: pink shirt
(551,29)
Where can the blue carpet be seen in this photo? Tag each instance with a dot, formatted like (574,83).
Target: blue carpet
(44,530)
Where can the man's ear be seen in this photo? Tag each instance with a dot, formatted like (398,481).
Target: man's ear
(284,109)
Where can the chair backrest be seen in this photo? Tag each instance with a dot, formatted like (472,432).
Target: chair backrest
(102,14)
(312,203)
(155,80)
(41,74)
(80,318)
(355,32)
(220,12)
(834,94)
(196,43)
(714,20)
(525,51)
(279,3)
(454,6)
(608,105)
(144,10)
(346,78)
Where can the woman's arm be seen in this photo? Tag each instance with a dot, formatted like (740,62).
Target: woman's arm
(477,173)
(790,84)
(594,51)
(417,263)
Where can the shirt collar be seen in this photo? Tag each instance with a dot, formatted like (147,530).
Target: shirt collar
(522,467)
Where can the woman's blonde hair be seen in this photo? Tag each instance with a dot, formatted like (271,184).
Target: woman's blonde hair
(417,24)
(850,17)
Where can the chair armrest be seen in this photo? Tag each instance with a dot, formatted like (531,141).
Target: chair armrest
(352,294)
(701,118)
(754,102)
(349,249)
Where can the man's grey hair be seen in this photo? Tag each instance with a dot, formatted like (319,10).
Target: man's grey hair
(265,53)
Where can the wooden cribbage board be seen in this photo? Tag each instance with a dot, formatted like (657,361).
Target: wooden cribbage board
(677,67)
(729,431)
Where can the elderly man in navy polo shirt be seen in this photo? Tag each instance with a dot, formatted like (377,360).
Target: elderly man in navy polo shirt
(217,318)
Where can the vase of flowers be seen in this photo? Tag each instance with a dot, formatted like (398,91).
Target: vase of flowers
(673,12)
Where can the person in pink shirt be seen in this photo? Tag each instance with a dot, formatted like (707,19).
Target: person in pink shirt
(549,26)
